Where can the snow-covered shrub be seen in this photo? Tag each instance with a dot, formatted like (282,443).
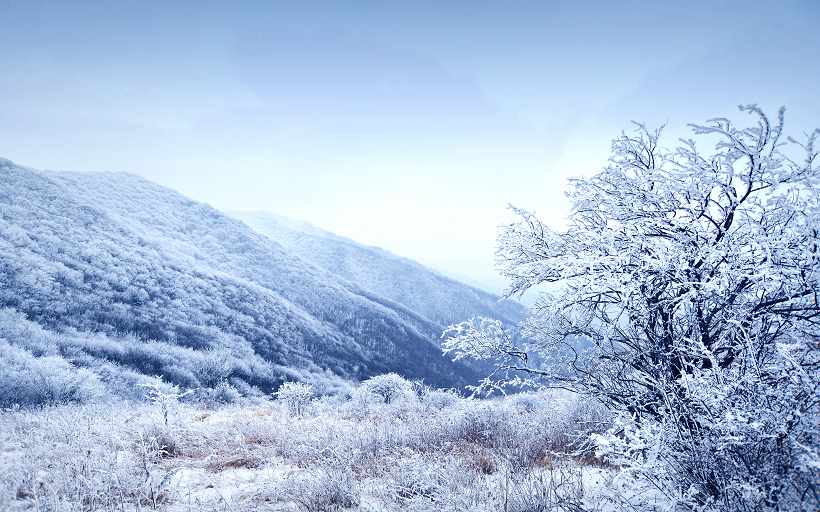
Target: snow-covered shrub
(165,396)
(297,396)
(328,384)
(326,490)
(388,392)
(26,380)
(528,402)
(160,442)
(390,387)
(121,382)
(545,490)
(75,459)
(479,423)
(223,393)
(213,367)
(245,390)
(361,402)
(180,376)
(439,398)
(416,478)
(442,482)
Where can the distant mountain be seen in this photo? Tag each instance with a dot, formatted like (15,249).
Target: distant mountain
(122,277)
(428,293)
(493,285)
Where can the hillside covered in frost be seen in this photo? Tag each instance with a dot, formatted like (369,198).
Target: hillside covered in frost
(438,298)
(109,277)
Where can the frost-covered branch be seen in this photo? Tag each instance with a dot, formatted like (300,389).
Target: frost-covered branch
(688,304)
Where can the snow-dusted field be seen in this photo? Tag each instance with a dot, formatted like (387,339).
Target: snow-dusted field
(429,452)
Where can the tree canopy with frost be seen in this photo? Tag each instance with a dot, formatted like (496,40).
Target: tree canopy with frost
(688,304)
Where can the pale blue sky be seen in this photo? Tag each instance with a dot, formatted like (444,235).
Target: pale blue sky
(407,125)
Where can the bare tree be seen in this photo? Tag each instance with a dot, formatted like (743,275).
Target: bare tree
(689,306)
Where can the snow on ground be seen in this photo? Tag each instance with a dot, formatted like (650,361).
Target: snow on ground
(479,455)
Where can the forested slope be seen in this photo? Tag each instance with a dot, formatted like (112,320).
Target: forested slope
(116,270)
(436,297)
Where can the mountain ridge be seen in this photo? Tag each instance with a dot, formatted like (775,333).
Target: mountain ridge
(117,258)
(444,300)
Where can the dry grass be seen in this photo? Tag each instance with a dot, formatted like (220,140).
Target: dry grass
(251,462)
(410,455)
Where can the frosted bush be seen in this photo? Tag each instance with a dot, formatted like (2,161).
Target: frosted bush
(325,490)
(527,402)
(362,402)
(545,490)
(165,396)
(297,396)
(416,478)
(27,380)
(390,387)
(439,399)
(222,393)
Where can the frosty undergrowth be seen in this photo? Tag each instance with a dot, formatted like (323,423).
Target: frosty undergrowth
(426,450)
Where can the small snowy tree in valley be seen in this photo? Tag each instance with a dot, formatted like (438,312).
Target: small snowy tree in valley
(689,306)
(389,387)
(296,395)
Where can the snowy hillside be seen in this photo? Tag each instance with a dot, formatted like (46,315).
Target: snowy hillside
(436,297)
(115,274)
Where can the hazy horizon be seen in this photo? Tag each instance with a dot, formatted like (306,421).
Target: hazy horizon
(408,126)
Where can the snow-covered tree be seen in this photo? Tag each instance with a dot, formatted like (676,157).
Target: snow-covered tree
(688,304)
(296,395)
(389,387)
